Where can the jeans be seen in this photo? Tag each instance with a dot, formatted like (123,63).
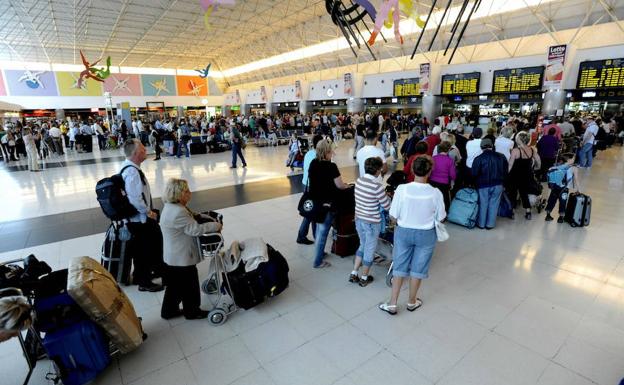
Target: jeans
(183,143)
(412,252)
(236,150)
(322,231)
(101,141)
(489,200)
(304,229)
(557,194)
(368,233)
(586,155)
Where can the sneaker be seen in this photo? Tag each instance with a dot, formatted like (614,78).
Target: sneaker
(548,218)
(353,278)
(305,241)
(527,216)
(560,219)
(364,282)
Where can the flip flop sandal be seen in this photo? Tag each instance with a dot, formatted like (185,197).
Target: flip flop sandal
(414,306)
(323,265)
(390,309)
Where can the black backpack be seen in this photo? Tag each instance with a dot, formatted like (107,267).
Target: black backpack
(111,194)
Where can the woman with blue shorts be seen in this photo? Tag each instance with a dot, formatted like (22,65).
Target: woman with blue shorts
(415,208)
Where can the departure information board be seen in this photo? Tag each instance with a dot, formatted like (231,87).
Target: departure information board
(518,80)
(601,74)
(407,87)
(461,84)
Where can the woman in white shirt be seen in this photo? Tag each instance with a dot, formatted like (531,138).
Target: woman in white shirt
(503,143)
(415,206)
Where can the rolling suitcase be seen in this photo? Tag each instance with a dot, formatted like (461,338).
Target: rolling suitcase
(198,148)
(115,256)
(578,210)
(345,238)
(79,351)
(464,208)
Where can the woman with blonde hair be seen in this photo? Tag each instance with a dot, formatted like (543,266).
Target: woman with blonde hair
(324,181)
(181,255)
(523,160)
(15,313)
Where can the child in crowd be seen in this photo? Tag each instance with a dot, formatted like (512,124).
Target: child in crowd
(370,195)
(294,150)
(562,180)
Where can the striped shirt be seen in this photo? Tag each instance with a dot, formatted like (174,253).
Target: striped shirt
(369,196)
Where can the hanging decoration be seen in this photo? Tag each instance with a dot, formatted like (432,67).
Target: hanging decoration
(203,73)
(92,72)
(349,17)
(211,5)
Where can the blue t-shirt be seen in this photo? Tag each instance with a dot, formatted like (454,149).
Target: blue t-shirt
(307,159)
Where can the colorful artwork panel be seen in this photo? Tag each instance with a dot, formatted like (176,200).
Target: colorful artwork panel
(191,86)
(158,85)
(123,85)
(31,83)
(68,85)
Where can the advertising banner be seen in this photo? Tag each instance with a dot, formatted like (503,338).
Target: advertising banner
(298,89)
(263,94)
(348,84)
(238,98)
(555,66)
(425,72)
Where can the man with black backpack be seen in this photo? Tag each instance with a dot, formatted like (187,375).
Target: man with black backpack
(146,246)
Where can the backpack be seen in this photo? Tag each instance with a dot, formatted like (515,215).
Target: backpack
(112,196)
(558,175)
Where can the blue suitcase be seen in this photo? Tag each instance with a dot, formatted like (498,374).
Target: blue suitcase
(80,352)
(464,208)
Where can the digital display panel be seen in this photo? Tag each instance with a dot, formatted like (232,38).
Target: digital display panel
(407,87)
(601,74)
(518,80)
(461,84)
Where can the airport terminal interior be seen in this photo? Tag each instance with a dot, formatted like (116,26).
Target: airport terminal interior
(472,147)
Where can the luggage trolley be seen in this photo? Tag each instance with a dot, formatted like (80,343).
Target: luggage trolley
(211,248)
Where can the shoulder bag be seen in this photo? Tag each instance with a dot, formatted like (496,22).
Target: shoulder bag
(440,229)
(312,209)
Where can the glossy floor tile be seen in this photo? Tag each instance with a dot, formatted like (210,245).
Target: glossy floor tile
(527,303)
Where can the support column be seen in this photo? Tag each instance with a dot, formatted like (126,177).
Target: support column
(60,114)
(305,106)
(431,107)
(180,111)
(553,100)
(355,105)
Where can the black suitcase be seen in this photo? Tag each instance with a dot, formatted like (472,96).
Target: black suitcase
(198,148)
(578,210)
(249,289)
(114,253)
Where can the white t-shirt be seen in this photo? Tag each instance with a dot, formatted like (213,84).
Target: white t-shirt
(366,152)
(590,133)
(415,206)
(503,146)
(473,149)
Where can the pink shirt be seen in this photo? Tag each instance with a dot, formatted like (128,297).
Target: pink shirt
(443,169)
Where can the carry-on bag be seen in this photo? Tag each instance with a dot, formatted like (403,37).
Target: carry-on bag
(505,209)
(79,351)
(115,257)
(97,293)
(345,238)
(198,148)
(54,307)
(578,210)
(464,208)
(269,279)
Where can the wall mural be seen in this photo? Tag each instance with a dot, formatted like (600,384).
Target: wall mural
(30,83)
(71,84)
(123,85)
(158,85)
(191,86)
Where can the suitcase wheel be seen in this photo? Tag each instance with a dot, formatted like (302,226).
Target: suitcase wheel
(217,316)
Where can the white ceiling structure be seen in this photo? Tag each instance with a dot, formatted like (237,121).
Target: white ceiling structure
(172,34)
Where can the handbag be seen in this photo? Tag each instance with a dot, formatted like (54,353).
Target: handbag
(309,208)
(440,229)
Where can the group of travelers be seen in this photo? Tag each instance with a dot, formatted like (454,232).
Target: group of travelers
(511,159)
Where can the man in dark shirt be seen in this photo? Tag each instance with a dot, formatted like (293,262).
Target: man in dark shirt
(547,148)
(489,171)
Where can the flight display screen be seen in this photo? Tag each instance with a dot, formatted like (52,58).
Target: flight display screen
(461,84)
(518,80)
(601,74)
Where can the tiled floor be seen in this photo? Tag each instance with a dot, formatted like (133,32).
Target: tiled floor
(527,303)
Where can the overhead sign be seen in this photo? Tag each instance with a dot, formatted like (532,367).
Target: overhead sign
(601,74)
(518,79)
(425,72)
(461,84)
(555,66)
(407,87)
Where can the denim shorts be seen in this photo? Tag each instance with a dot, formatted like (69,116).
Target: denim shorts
(412,252)
(368,233)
